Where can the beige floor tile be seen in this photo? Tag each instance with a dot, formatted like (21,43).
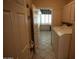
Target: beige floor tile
(44,51)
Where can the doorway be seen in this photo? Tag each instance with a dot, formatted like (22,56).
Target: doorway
(42,33)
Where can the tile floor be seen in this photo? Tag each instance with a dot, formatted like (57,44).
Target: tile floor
(44,51)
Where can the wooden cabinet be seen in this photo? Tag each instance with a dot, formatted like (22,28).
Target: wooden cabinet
(17,29)
(69,17)
(72,45)
(68,12)
(61,45)
(55,44)
(73,11)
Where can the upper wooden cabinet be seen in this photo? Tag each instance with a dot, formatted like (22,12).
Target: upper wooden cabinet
(68,12)
(73,11)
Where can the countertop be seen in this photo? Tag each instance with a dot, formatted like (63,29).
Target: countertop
(62,30)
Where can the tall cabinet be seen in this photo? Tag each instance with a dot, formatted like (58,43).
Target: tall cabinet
(17,21)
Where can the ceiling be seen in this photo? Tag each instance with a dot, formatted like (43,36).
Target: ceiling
(45,11)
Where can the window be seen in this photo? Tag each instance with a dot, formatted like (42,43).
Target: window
(45,19)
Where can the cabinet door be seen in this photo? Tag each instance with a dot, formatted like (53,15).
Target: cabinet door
(64,13)
(72,45)
(68,14)
(72,12)
(55,45)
